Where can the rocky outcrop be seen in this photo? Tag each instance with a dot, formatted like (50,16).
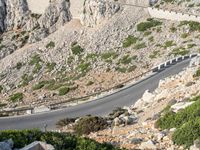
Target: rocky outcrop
(17,14)
(2,15)
(56,15)
(95,11)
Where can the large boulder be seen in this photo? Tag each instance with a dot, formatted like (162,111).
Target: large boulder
(6,145)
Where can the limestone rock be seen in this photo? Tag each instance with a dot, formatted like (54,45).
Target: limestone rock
(181,105)
(95,11)
(147,96)
(6,145)
(55,15)
(2,15)
(148,145)
(17,13)
(196,145)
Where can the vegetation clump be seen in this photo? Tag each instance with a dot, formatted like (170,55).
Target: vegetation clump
(76,49)
(129,41)
(60,141)
(150,23)
(90,124)
(51,44)
(16,97)
(63,91)
(187,122)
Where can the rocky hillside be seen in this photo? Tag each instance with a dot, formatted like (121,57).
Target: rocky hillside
(47,58)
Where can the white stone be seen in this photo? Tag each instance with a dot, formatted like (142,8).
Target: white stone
(41,109)
(147,96)
(148,145)
(182,105)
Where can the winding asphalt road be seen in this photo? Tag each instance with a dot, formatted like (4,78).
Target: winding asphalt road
(102,106)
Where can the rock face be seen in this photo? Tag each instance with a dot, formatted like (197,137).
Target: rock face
(17,13)
(56,14)
(2,15)
(95,11)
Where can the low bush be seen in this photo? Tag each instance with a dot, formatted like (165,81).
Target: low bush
(60,141)
(40,85)
(1,88)
(16,97)
(90,124)
(197,74)
(129,41)
(76,49)
(194,26)
(189,132)
(63,91)
(51,44)
(143,26)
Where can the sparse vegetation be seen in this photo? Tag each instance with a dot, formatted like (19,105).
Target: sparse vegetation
(51,44)
(129,41)
(150,23)
(76,49)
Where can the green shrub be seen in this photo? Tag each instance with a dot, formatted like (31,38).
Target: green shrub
(140,46)
(189,132)
(179,51)
(35,59)
(50,45)
(60,141)
(1,88)
(16,97)
(83,67)
(19,65)
(125,60)
(129,41)
(143,26)
(40,85)
(50,66)
(171,120)
(90,124)
(194,26)
(63,91)
(155,54)
(109,55)
(90,83)
(197,74)
(168,44)
(26,79)
(76,49)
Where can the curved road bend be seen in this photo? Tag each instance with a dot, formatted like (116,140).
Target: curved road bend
(102,106)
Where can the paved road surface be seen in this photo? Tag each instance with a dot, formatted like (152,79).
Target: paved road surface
(102,106)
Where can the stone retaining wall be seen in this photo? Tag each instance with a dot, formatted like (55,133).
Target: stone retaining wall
(171,15)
